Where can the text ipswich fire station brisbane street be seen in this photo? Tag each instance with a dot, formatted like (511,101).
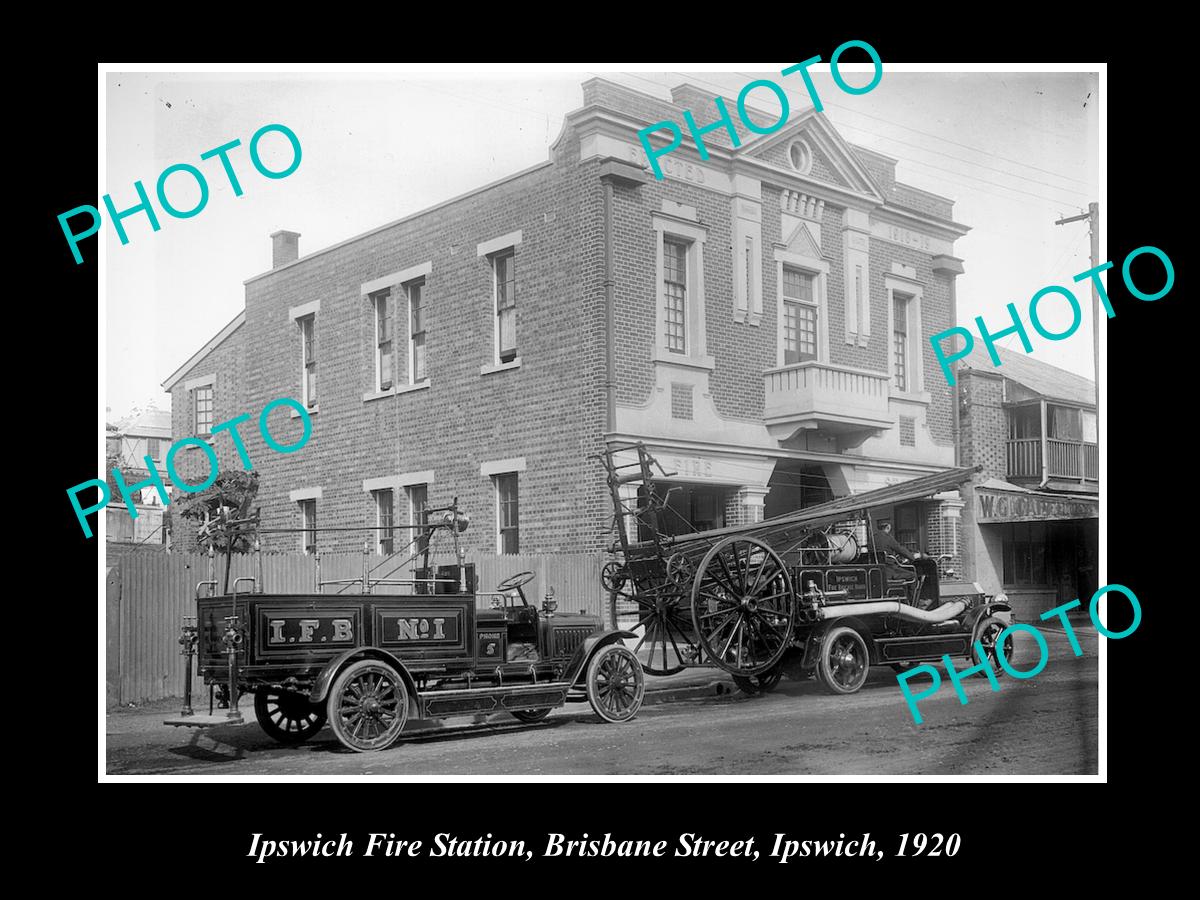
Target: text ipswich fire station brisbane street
(128,492)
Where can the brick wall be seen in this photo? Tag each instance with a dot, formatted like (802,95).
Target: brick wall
(227,362)
(935,317)
(822,169)
(943,534)
(549,410)
(984,422)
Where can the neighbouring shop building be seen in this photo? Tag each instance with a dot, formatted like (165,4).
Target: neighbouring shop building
(1031,518)
(127,443)
(760,319)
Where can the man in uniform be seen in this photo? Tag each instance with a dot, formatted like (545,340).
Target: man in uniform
(885,543)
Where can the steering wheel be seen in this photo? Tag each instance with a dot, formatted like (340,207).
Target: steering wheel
(516,582)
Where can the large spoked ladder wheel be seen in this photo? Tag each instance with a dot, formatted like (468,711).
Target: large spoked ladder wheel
(665,642)
(743,606)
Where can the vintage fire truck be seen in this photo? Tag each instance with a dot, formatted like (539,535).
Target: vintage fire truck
(367,662)
(810,592)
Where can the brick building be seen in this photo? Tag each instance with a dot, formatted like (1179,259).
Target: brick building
(760,319)
(1031,519)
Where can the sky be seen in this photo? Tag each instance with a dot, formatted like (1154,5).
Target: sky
(1015,151)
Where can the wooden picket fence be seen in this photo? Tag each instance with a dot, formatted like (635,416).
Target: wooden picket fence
(149,592)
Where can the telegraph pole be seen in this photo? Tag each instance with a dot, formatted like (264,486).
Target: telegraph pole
(1092,216)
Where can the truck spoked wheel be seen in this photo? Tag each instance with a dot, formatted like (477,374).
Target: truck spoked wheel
(844,662)
(530,715)
(759,684)
(368,705)
(615,683)
(988,633)
(287,717)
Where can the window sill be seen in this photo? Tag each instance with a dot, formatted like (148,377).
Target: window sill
(312,411)
(500,367)
(399,389)
(910,396)
(685,360)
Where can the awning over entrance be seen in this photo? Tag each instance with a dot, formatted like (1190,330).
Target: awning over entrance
(998,502)
(844,507)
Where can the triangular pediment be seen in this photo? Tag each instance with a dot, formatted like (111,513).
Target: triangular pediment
(812,149)
(802,242)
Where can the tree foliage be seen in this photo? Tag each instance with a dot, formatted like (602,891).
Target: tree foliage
(221,512)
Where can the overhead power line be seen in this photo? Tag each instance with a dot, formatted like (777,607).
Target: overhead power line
(1058,202)
(859,112)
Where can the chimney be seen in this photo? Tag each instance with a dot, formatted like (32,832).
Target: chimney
(703,107)
(285,248)
(696,99)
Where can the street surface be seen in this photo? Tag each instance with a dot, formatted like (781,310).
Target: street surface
(1043,725)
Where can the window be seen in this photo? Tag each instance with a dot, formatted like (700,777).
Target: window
(675,295)
(680,336)
(908,528)
(504,273)
(904,300)
(384,519)
(799,316)
(1026,557)
(416,324)
(1090,427)
(203,397)
(688,508)
(1025,422)
(154,447)
(507,513)
(1064,423)
(308,360)
(800,156)
(900,340)
(385,354)
(418,514)
(308,521)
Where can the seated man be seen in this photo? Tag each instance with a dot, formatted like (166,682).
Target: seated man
(926,567)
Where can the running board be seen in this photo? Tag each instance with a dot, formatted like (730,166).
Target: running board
(205,721)
(549,695)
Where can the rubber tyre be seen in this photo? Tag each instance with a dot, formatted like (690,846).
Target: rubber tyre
(986,632)
(616,684)
(759,684)
(845,662)
(530,715)
(287,717)
(345,705)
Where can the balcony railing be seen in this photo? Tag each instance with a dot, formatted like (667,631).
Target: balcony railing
(813,394)
(1076,460)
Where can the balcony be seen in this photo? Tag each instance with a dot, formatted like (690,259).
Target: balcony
(1070,460)
(836,399)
